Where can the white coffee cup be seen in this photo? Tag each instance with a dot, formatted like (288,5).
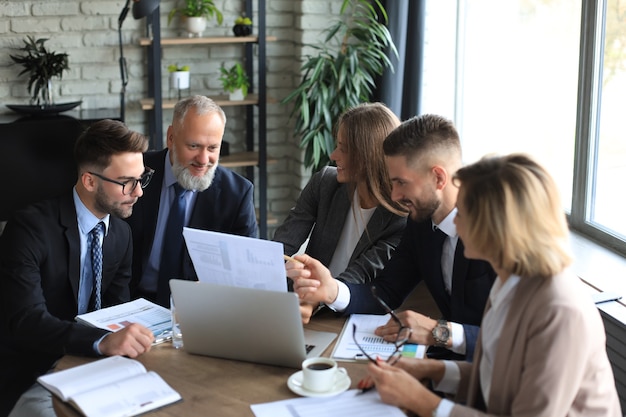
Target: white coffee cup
(320,374)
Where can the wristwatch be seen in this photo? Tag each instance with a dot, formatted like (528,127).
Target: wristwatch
(441,333)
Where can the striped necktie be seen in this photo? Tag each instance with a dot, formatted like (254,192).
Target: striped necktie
(95,249)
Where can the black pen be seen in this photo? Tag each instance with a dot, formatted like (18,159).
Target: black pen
(364,390)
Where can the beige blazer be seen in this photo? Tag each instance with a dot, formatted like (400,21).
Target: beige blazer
(551,359)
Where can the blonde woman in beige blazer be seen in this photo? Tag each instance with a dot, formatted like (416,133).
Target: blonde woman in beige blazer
(541,348)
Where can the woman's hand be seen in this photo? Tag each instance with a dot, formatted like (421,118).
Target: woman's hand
(397,387)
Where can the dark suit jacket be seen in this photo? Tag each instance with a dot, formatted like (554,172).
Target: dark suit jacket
(227,206)
(417,258)
(39,279)
(322,207)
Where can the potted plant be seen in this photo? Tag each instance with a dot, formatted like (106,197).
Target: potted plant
(235,81)
(41,65)
(196,13)
(243,26)
(340,76)
(179,76)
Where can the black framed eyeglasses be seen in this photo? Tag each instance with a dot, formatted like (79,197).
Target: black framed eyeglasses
(403,336)
(129,186)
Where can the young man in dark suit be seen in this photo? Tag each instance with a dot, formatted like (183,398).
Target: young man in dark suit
(211,198)
(422,154)
(47,275)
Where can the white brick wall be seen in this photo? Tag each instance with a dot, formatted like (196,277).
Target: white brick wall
(87,31)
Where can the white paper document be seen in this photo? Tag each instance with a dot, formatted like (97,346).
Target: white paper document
(114,318)
(366,324)
(349,403)
(237,261)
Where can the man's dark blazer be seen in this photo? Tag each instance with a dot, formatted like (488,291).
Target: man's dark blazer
(227,206)
(418,258)
(39,280)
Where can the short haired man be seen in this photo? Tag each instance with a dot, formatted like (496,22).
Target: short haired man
(47,275)
(422,155)
(211,198)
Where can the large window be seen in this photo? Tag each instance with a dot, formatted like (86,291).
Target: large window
(545,77)
(606,197)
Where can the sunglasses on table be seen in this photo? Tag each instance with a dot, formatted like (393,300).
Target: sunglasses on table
(403,336)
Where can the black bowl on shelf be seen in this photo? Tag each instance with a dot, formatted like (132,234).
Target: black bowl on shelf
(43,110)
(242,30)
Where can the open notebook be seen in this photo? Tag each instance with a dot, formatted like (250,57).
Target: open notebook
(245,324)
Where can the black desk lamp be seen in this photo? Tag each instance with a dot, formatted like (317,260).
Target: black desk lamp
(141,8)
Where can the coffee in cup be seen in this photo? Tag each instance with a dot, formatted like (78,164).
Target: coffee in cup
(320,374)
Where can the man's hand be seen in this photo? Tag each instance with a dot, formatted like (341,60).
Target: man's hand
(420,325)
(312,280)
(131,341)
(306,311)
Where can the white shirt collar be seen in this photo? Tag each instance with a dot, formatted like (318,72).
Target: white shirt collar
(447,225)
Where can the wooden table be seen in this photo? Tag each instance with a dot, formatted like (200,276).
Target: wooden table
(220,387)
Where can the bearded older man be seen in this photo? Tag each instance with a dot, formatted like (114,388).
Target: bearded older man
(188,189)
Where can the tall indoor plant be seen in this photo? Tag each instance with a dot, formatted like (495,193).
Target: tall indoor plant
(41,65)
(341,75)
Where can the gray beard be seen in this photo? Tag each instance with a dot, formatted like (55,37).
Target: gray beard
(190,182)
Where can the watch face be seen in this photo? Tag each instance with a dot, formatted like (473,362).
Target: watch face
(442,333)
(445,332)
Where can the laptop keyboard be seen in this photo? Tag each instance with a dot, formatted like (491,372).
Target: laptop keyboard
(309,348)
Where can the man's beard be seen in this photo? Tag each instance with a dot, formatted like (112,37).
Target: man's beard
(191,182)
(104,205)
(420,211)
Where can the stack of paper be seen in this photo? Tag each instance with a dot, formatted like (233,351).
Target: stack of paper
(114,318)
(366,324)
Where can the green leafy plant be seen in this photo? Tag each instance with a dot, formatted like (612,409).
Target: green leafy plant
(41,65)
(177,68)
(234,78)
(197,8)
(340,76)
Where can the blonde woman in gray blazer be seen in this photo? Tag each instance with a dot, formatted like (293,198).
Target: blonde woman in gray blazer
(541,348)
(346,211)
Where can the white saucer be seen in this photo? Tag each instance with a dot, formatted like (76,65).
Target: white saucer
(295,385)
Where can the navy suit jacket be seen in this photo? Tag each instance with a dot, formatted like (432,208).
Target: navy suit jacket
(418,258)
(227,206)
(39,280)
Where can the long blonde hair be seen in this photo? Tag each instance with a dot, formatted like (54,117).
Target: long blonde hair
(514,214)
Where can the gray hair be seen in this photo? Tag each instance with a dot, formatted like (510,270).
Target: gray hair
(201,104)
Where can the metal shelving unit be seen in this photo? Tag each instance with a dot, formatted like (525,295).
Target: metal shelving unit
(155,104)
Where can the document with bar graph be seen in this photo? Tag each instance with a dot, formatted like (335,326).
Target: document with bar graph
(236,261)
(347,350)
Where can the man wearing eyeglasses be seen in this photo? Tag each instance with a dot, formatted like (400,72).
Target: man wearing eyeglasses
(422,155)
(189,188)
(67,256)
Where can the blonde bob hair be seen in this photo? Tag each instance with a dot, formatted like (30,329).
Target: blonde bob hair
(514,215)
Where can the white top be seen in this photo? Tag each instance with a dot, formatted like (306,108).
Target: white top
(353,227)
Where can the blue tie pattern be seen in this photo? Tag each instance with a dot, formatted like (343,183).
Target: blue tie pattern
(171,256)
(95,249)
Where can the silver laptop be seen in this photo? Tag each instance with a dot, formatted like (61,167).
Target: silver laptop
(245,324)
